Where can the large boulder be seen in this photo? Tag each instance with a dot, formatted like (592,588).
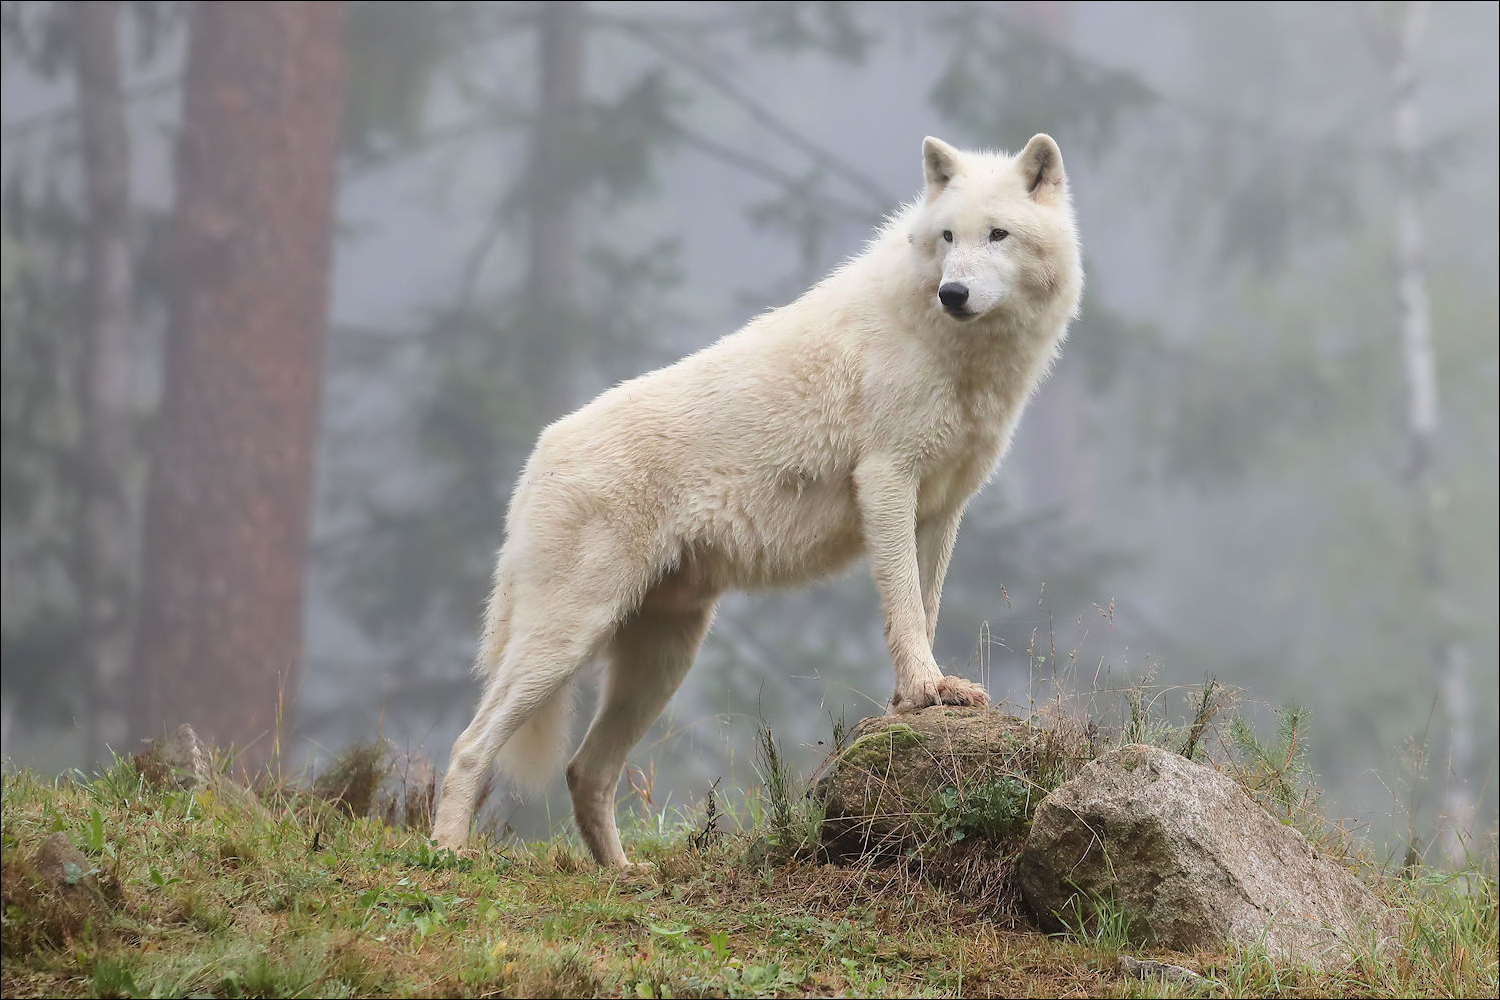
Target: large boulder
(907,784)
(1189,860)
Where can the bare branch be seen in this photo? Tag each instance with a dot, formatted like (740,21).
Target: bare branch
(766,171)
(858,179)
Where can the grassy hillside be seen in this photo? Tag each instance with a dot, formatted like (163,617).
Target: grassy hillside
(192,893)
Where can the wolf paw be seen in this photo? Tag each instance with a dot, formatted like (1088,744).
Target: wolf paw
(915,697)
(957,691)
(942,690)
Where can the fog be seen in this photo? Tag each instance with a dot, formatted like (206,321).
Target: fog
(1226,475)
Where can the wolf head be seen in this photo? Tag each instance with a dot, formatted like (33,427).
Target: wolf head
(995,232)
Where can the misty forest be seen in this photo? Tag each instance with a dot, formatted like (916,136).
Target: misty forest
(290,289)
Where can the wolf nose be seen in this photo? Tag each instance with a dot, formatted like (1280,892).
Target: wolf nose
(953,295)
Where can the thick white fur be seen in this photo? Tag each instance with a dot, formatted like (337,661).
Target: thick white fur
(859,419)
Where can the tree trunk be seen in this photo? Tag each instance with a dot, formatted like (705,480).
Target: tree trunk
(220,633)
(1422,417)
(103,563)
(551,270)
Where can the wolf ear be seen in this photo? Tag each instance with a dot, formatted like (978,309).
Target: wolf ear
(1041,167)
(939,163)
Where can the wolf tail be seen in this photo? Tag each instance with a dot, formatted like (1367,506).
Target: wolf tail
(538,750)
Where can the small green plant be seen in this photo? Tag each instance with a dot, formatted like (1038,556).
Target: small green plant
(994,809)
(162,881)
(352,782)
(1099,921)
(117,784)
(1275,770)
(758,980)
(1210,702)
(773,771)
(840,737)
(94,835)
(791,820)
(406,904)
(865,978)
(112,977)
(718,945)
(437,859)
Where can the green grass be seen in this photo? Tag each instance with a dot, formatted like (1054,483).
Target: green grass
(292,896)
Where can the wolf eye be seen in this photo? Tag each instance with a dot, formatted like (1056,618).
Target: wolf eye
(996,235)
(948,235)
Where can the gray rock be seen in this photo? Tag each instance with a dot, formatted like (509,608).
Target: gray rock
(183,760)
(1192,861)
(180,759)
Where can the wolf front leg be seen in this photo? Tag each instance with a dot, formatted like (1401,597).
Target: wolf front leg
(887,496)
(935,538)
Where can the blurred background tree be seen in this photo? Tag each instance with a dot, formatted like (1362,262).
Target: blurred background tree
(538,200)
(80,298)
(219,640)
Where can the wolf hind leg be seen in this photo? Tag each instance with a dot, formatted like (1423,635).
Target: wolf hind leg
(650,655)
(527,689)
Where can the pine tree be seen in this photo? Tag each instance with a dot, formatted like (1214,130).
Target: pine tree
(220,634)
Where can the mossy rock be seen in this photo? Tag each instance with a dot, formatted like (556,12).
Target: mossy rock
(910,784)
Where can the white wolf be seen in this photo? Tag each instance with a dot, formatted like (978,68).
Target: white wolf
(860,418)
